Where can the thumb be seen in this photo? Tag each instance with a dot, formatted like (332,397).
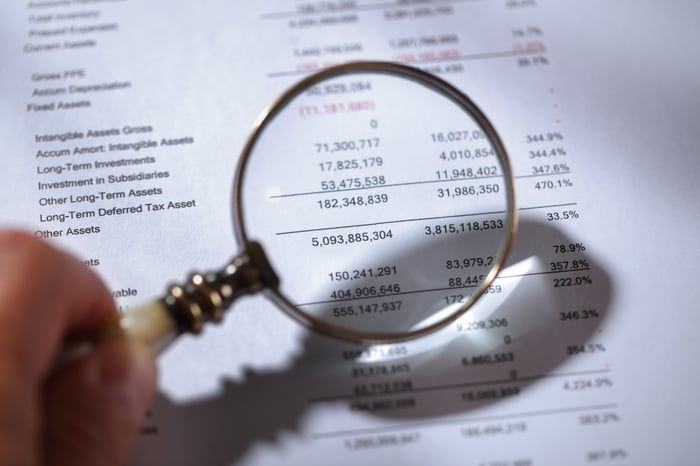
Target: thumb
(95,406)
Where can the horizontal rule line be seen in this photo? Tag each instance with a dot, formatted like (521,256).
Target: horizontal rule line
(414,425)
(542,174)
(546,272)
(408,183)
(388,222)
(470,57)
(550,206)
(386,295)
(433,290)
(367,7)
(422,219)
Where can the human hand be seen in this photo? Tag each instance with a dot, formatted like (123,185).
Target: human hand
(88,411)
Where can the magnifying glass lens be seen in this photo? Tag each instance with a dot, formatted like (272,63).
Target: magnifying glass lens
(383,204)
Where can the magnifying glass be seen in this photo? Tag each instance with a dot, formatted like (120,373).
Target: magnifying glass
(373,201)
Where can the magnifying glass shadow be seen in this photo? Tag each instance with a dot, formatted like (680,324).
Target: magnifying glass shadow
(451,374)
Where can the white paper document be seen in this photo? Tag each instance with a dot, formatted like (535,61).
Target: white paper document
(124,122)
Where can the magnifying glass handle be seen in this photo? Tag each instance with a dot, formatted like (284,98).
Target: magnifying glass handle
(185,308)
(150,323)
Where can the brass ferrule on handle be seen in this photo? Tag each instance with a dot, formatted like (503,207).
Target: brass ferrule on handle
(185,308)
(205,297)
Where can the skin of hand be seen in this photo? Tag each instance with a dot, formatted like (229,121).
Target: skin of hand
(87,411)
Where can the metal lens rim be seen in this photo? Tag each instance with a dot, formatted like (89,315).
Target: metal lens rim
(432,82)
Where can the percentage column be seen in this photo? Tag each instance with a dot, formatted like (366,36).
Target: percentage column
(551,169)
(579,315)
(566,248)
(554,184)
(562,215)
(567,265)
(565,282)
(587,348)
(587,384)
(603,455)
(547,155)
(599,418)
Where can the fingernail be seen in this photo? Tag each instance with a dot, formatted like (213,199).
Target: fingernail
(128,375)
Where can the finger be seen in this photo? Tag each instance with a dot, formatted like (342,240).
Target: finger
(96,405)
(44,294)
